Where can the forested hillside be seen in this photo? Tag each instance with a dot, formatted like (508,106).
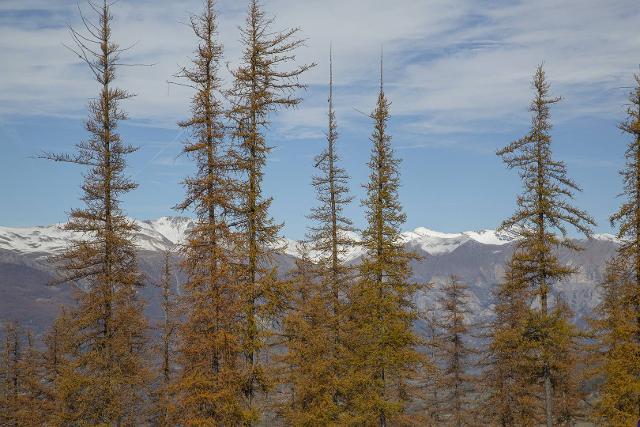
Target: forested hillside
(217,319)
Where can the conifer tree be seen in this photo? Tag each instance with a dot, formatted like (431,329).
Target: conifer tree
(618,323)
(108,378)
(58,377)
(431,397)
(455,354)
(209,387)
(308,370)
(319,313)
(628,216)
(10,375)
(167,346)
(22,400)
(262,85)
(330,237)
(384,345)
(509,394)
(32,402)
(568,361)
(619,351)
(544,209)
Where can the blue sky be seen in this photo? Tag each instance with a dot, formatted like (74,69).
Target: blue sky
(457,72)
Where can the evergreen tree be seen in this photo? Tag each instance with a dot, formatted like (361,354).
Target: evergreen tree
(208,389)
(384,346)
(262,85)
(454,355)
(109,373)
(319,312)
(618,322)
(544,209)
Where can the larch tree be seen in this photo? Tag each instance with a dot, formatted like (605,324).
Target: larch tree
(322,371)
(331,236)
(58,377)
(618,321)
(618,351)
(209,387)
(307,366)
(509,395)
(384,358)
(166,347)
(544,209)
(109,374)
(32,410)
(569,361)
(264,83)
(431,384)
(22,394)
(455,355)
(10,374)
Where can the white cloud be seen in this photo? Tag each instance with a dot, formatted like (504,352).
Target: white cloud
(448,63)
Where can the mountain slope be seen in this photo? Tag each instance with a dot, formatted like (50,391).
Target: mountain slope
(476,257)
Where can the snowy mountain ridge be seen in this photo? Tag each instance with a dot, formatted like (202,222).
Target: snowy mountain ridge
(166,232)
(160,234)
(476,257)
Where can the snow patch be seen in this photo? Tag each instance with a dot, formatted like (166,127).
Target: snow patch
(166,232)
(606,237)
(173,229)
(435,242)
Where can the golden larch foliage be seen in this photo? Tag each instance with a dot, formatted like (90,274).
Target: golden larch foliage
(383,357)
(208,389)
(543,211)
(60,346)
(509,395)
(107,378)
(315,328)
(617,324)
(455,356)
(307,368)
(165,348)
(262,85)
(22,394)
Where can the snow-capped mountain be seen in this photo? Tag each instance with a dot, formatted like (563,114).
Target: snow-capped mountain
(156,235)
(476,257)
(435,242)
(166,232)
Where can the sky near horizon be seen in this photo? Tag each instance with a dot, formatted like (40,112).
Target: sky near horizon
(457,73)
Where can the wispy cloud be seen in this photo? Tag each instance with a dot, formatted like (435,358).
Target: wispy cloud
(451,66)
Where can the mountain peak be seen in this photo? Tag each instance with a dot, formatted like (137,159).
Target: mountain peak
(173,228)
(166,232)
(436,242)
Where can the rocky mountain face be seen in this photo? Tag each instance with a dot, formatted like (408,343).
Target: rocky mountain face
(475,257)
